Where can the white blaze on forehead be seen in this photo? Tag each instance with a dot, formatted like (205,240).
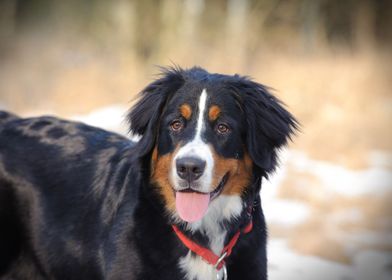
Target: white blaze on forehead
(197,148)
(200,119)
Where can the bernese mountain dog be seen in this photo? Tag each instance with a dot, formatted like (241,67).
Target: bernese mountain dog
(183,202)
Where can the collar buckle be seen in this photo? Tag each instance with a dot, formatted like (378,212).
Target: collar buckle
(219,262)
(222,273)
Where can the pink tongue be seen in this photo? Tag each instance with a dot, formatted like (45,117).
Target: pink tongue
(192,206)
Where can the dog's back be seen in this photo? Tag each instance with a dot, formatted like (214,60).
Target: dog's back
(6,117)
(59,181)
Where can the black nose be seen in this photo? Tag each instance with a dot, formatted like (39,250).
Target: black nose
(190,168)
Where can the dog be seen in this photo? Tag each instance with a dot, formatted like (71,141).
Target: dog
(183,202)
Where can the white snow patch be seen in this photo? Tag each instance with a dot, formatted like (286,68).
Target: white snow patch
(281,211)
(110,117)
(375,180)
(373,265)
(285,212)
(285,264)
(370,238)
(381,158)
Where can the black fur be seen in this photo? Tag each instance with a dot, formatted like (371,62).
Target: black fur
(146,113)
(76,202)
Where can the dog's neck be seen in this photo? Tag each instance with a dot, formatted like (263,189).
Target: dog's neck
(223,218)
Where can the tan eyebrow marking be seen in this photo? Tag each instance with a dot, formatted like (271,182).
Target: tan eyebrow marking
(186,111)
(214,112)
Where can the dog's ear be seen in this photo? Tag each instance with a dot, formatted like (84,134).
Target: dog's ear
(269,124)
(144,116)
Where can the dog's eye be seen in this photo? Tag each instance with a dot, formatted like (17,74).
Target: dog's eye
(176,125)
(222,128)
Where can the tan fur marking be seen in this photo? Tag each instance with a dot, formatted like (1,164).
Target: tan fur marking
(154,156)
(214,112)
(240,173)
(186,111)
(160,175)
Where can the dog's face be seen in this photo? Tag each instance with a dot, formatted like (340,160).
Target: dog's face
(201,139)
(200,152)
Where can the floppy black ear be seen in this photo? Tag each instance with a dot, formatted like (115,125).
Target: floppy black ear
(269,124)
(145,114)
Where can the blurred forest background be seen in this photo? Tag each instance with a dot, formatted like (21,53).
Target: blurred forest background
(330,61)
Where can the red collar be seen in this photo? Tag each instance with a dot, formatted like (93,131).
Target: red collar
(207,254)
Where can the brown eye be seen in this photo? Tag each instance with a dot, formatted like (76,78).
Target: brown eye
(176,125)
(222,128)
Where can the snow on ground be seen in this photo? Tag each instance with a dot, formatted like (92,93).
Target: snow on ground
(111,118)
(375,180)
(285,263)
(367,264)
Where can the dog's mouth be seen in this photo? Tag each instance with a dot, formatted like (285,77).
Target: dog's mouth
(215,193)
(192,205)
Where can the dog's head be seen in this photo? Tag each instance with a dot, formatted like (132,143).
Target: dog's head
(210,137)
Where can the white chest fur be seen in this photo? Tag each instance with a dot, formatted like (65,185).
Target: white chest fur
(198,269)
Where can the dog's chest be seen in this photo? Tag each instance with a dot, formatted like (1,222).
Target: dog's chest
(195,268)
